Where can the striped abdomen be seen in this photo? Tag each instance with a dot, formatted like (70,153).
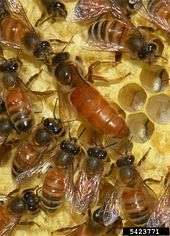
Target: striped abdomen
(160,13)
(12,30)
(26,157)
(137,205)
(108,34)
(92,107)
(19,108)
(53,189)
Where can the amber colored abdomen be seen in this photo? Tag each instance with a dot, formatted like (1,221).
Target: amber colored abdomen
(18,107)
(12,30)
(53,189)
(92,107)
(137,205)
(26,157)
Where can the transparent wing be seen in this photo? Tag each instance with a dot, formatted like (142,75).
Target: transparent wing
(16,9)
(161,214)
(42,168)
(86,190)
(110,207)
(157,12)
(87,9)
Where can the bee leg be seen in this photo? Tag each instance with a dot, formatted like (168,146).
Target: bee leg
(118,56)
(91,77)
(144,157)
(57,41)
(40,20)
(156,181)
(146,28)
(28,223)
(167,177)
(68,230)
(32,78)
(13,192)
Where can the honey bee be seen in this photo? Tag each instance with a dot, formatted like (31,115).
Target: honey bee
(31,152)
(15,206)
(89,10)
(53,9)
(17,32)
(58,181)
(161,214)
(15,96)
(6,126)
(86,187)
(115,35)
(131,196)
(89,104)
(93,226)
(158,12)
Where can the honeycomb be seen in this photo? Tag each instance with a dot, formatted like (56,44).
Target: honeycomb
(144,98)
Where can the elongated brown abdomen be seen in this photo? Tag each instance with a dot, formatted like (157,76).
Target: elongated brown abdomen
(19,108)
(26,157)
(94,108)
(53,189)
(137,205)
(12,30)
(108,33)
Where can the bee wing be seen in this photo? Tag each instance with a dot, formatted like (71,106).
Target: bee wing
(86,190)
(42,168)
(87,9)
(16,9)
(66,112)
(161,214)
(150,11)
(110,207)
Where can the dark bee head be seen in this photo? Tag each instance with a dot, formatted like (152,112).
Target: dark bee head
(42,50)
(17,206)
(2,106)
(54,126)
(147,51)
(70,146)
(97,152)
(65,74)
(125,161)
(98,215)
(10,65)
(42,136)
(24,125)
(56,9)
(31,200)
(133,5)
(60,57)
(127,171)
(6,126)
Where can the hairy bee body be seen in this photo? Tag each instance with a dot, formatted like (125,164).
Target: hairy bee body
(19,108)
(136,205)
(53,189)
(13,30)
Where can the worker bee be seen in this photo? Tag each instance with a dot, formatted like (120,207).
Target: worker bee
(131,196)
(158,12)
(93,226)
(17,32)
(6,126)
(89,104)
(111,34)
(86,187)
(15,206)
(52,9)
(15,96)
(31,152)
(58,181)
(161,214)
(89,10)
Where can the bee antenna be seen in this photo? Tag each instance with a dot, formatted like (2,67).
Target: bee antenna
(68,121)
(112,144)
(81,133)
(164,58)
(68,43)
(54,110)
